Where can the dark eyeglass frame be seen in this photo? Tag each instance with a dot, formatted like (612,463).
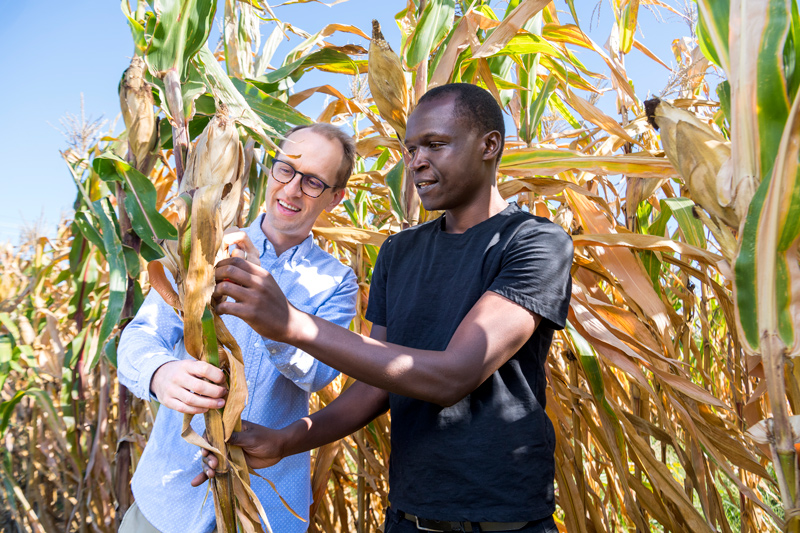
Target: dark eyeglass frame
(303,179)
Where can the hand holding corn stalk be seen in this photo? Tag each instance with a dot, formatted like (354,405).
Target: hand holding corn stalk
(209,200)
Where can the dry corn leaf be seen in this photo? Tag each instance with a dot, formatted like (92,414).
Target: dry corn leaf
(206,241)
(509,27)
(350,235)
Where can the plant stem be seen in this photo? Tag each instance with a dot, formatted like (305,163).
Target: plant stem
(180,130)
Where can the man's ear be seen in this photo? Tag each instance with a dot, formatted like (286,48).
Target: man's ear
(337,197)
(491,145)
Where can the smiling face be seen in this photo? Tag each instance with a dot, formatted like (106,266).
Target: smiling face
(290,214)
(446,159)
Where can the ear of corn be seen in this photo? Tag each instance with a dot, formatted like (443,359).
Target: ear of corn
(136,102)
(701,156)
(208,201)
(387,83)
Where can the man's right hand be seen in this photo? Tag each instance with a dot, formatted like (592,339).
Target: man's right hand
(184,386)
(261,445)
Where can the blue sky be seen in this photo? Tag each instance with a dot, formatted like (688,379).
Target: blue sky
(54,51)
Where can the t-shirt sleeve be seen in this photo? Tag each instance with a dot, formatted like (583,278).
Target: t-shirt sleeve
(376,306)
(535,272)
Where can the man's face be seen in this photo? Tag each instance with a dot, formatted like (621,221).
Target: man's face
(289,212)
(443,156)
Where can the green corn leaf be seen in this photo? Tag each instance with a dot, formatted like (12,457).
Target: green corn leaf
(117,282)
(87,229)
(627,26)
(140,201)
(257,184)
(132,265)
(584,350)
(712,27)
(6,355)
(210,337)
(137,29)
(571,4)
(394,181)
(274,112)
(792,53)
(110,350)
(649,258)
(7,409)
(6,349)
(5,320)
(530,118)
(205,105)
(566,77)
(691,227)
(326,60)
(773,100)
(557,104)
(724,95)
(196,127)
(594,376)
(181,31)
(432,26)
(351,210)
(223,89)
(528,43)
(745,269)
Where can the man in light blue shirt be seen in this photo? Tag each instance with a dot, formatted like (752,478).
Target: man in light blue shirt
(308,176)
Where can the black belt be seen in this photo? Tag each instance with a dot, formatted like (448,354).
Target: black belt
(424,524)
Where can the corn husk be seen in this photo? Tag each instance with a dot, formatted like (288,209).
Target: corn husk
(701,156)
(208,202)
(136,102)
(218,159)
(387,83)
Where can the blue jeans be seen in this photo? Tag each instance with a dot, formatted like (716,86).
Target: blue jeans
(395,524)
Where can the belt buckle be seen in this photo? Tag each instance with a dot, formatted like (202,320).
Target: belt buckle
(422,528)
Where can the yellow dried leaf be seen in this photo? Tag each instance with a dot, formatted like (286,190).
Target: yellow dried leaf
(206,236)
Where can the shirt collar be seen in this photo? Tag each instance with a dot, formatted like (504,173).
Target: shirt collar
(262,244)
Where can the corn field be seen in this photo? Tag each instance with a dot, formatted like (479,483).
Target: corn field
(673,390)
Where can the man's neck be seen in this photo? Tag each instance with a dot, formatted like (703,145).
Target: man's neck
(461,219)
(280,241)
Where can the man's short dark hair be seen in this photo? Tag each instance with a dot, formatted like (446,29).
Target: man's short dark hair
(331,132)
(474,106)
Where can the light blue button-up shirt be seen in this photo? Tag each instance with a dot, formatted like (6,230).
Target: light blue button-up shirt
(279,379)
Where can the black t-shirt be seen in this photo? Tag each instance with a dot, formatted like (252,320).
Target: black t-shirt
(489,457)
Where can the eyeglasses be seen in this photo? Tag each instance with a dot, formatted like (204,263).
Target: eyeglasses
(311,186)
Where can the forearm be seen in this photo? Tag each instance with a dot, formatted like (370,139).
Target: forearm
(433,376)
(146,344)
(352,410)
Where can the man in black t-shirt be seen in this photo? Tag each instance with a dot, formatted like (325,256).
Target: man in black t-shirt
(463,311)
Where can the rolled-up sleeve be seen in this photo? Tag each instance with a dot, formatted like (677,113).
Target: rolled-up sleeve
(300,367)
(147,343)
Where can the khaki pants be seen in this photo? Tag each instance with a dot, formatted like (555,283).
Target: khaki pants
(135,522)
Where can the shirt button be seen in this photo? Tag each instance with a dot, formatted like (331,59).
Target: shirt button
(273,351)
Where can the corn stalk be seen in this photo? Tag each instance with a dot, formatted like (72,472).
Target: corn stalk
(662,368)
